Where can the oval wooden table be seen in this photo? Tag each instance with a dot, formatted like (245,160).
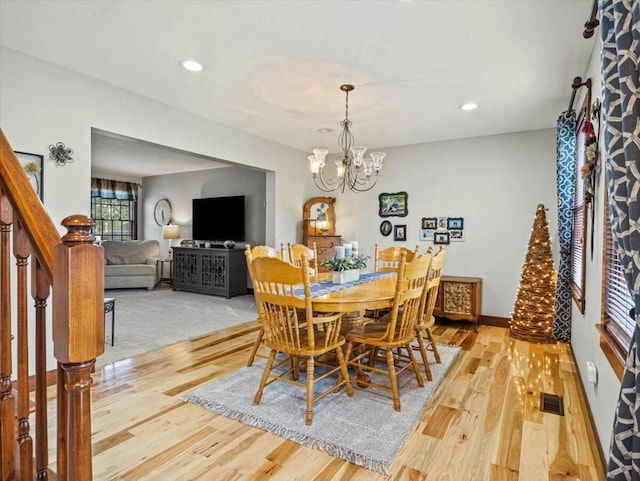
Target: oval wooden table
(375,294)
(354,300)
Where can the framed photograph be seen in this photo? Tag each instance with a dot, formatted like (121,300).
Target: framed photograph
(426,234)
(385,228)
(456,235)
(455,223)
(441,237)
(442,222)
(430,223)
(33,165)
(393,204)
(400,232)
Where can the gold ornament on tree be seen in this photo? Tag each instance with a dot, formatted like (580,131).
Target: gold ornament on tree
(534,308)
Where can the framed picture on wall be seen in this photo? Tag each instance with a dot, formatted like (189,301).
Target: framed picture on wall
(385,228)
(393,204)
(441,237)
(430,223)
(456,235)
(400,232)
(455,223)
(33,165)
(426,234)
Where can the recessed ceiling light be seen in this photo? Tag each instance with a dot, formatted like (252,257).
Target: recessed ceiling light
(192,65)
(468,106)
(325,130)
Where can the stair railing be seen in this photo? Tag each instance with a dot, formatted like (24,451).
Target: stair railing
(72,268)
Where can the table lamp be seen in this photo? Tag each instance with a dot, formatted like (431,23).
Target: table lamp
(170,232)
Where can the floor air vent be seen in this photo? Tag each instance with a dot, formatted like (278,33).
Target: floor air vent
(551,403)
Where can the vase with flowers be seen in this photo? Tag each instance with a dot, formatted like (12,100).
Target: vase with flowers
(347,268)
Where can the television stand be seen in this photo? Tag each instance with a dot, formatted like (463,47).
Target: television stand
(219,272)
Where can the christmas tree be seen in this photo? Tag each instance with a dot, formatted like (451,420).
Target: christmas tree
(532,318)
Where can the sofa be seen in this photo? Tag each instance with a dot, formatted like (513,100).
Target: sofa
(129,264)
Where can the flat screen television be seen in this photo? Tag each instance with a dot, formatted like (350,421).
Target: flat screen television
(217,219)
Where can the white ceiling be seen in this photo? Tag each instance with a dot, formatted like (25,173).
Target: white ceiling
(274,67)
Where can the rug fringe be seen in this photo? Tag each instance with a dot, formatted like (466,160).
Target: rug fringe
(291,434)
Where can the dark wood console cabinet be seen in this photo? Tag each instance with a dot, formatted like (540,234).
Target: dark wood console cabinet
(219,272)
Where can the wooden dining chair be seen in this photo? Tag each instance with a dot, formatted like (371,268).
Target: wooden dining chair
(426,320)
(296,251)
(252,253)
(398,333)
(387,260)
(290,329)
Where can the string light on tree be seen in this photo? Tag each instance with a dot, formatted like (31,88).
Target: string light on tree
(532,318)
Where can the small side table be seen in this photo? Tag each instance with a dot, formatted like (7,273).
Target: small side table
(110,306)
(168,280)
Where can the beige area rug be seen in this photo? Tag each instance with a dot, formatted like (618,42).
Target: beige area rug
(147,320)
(363,429)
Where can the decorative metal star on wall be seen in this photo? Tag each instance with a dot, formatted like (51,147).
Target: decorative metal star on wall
(61,154)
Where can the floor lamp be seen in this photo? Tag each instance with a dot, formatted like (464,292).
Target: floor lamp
(170,232)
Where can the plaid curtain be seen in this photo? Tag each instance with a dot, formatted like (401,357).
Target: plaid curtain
(620,29)
(113,189)
(566,179)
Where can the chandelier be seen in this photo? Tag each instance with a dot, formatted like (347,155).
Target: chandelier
(352,169)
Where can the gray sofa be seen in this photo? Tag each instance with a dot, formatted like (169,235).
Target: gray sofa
(131,264)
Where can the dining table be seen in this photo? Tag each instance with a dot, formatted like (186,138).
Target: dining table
(353,299)
(373,294)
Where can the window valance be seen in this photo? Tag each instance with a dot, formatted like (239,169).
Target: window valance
(113,189)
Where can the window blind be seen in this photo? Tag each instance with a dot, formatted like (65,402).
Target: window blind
(617,297)
(578,235)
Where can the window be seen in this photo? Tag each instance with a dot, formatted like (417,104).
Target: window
(115,219)
(114,209)
(578,233)
(617,325)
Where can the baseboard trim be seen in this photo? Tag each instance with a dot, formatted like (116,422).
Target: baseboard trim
(593,432)
(494,321)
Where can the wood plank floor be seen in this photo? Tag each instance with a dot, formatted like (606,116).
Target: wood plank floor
(483,423)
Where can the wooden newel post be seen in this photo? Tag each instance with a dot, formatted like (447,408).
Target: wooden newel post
(78,339)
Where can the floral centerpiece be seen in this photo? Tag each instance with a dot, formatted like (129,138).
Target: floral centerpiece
(347,268)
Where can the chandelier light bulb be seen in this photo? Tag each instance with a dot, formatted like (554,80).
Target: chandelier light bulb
(358,154)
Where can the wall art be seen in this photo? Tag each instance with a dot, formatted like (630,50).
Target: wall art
(442,229)
(33,165)
(385,228)
(456,235)
(393,204)
(441,237)
(429,223)
(426,234)
(399,232)
(455,223)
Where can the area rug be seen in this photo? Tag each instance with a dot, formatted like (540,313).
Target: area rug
(364,429)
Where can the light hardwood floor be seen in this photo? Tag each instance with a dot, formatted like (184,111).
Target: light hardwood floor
(483,423)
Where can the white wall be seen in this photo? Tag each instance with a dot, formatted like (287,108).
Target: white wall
(495,183)
(180,189)
(41,104)
(585,338)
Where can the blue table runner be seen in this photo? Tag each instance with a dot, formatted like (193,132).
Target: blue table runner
(321,288)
